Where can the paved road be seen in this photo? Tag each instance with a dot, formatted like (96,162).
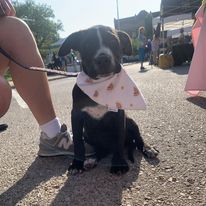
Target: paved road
(173,123)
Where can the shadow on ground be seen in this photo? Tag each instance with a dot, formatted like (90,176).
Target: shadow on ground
(98,186)
(180,70)
(95,187)
(198,100)
(41,170)
(143,70)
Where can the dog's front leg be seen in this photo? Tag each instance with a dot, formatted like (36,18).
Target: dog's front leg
(119,164)
(77,165)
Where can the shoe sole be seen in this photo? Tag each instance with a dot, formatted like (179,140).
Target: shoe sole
(52,154)
(62,154)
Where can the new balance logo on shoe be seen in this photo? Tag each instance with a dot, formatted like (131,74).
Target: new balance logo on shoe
(65,143)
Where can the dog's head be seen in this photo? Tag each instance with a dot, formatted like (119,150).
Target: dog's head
(101,49)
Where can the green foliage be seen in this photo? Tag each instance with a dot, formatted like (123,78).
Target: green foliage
(7,75)
(40,19)
(148,26)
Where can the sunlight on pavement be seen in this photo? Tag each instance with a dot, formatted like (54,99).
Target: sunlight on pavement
(19,100)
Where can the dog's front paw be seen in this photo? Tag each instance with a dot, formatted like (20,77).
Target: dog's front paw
(76,167)
(90,163)
(119,167)
(150,152)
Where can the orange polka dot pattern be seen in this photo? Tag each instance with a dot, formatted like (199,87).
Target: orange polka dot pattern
(115,92)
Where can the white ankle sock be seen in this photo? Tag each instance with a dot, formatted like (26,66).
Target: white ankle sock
(51,128)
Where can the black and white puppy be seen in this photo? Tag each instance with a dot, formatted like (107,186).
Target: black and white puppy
(101,49)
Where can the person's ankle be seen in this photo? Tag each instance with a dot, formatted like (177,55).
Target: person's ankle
(51,128)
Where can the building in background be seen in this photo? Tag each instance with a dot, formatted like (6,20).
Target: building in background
(175,14)
(132,24)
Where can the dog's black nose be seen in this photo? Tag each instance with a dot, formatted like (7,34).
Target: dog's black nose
(103,60)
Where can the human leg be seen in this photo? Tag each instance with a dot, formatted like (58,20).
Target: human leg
(5,96)
(141,57)
(32,86)
(17,39)
(155,57)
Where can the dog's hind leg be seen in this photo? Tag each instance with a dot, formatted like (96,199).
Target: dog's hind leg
(133,134)
(135,140)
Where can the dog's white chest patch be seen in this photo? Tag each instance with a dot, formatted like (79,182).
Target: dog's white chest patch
(96,112)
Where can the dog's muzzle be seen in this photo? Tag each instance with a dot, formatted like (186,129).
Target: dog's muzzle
(103,61)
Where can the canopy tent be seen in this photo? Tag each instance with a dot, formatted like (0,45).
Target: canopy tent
(172,8)
(176,7)
(173,24)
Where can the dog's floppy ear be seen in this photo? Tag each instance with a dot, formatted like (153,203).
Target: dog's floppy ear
(71,42)
(125,42)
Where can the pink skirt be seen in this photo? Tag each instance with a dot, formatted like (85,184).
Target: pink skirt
(196,80)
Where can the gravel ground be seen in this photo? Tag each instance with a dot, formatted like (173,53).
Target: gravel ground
(173,122)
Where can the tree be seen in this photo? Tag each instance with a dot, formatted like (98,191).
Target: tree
(40,19)
(148,25)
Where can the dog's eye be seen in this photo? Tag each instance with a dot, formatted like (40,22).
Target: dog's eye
(113,41)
